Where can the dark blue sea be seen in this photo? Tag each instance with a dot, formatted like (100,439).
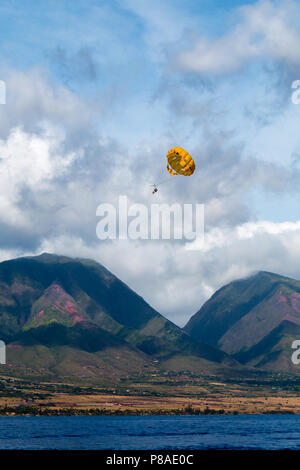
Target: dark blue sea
(150,432)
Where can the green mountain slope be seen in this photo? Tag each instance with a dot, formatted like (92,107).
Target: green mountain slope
(242,315)
(55,305)
(274,350)
(84,350)
(51,302)
(94,288)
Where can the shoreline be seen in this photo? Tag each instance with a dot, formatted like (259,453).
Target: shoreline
(41,411)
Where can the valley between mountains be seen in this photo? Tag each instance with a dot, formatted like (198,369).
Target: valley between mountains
(79,337)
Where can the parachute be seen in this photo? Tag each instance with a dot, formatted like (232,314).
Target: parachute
(180,162)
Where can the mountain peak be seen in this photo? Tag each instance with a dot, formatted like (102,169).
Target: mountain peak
(245,311)
(50,257)
(46,255)
(55,305)
(63,302)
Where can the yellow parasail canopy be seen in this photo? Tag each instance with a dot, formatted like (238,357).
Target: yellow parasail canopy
(180,162)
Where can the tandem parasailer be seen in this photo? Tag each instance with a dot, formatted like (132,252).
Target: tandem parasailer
(179,162)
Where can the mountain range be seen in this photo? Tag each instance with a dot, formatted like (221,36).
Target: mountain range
(63,317)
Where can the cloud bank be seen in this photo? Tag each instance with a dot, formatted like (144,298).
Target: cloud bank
(79,130)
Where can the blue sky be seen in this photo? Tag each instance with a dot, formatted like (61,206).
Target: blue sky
(98,91)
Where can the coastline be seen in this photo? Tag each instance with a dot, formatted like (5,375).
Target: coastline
(27,410)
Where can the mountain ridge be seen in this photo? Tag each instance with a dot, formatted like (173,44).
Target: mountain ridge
(81,301)
(244,313)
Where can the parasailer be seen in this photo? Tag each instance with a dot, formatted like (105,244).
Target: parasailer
(180,162)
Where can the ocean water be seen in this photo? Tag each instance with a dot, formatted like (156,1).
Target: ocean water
(150,432)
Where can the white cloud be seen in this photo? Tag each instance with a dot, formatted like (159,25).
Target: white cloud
(264,30)
(33,96)
(176,282)
(27,162)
